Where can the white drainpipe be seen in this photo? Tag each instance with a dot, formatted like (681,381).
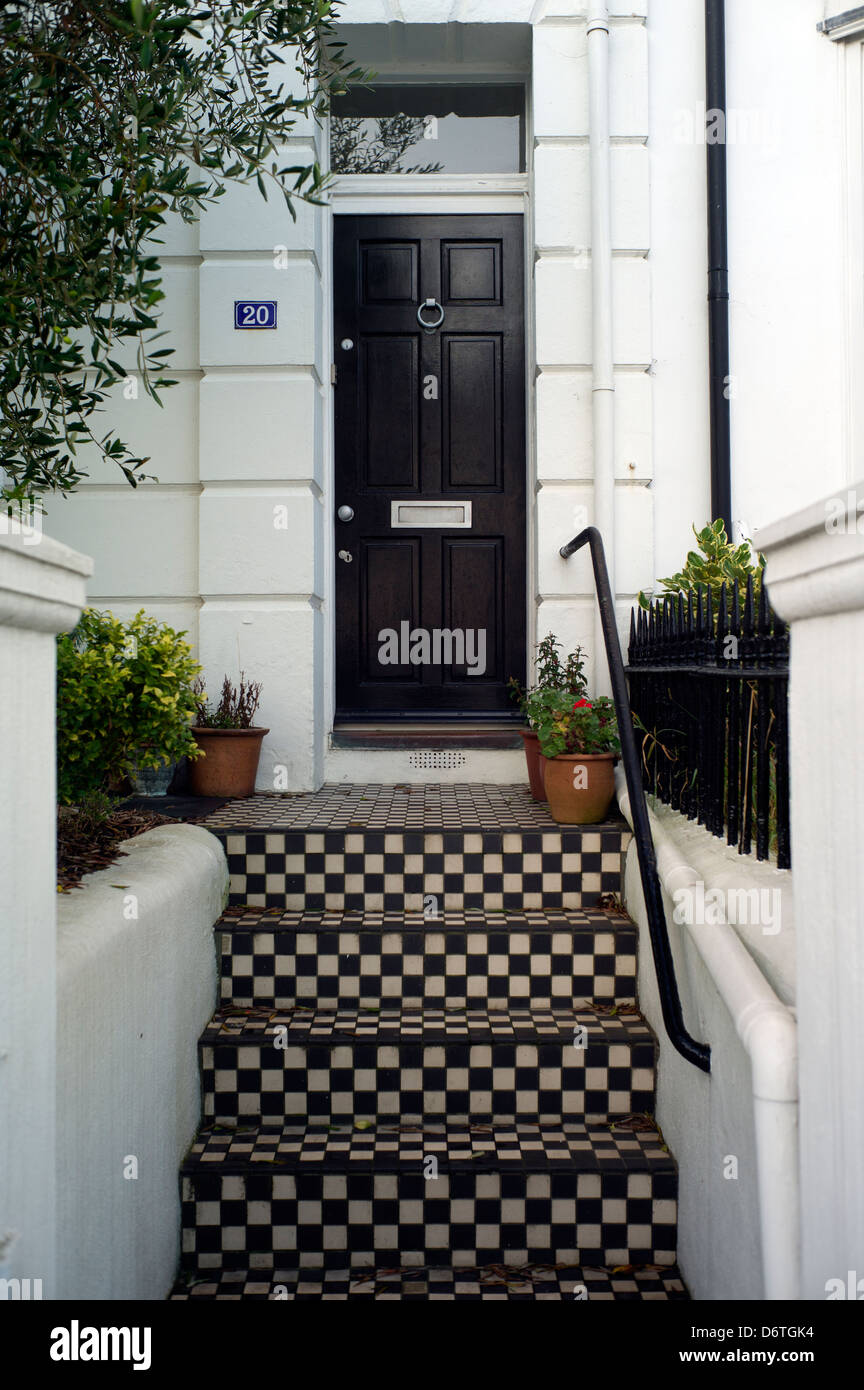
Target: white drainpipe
(770,1036)
(601,291)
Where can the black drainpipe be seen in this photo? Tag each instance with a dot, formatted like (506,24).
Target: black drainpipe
(718,265)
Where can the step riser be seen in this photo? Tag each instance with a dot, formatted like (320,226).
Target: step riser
(421,964)
(232,1222)
(404,870)
(415,1081)
(472,1285)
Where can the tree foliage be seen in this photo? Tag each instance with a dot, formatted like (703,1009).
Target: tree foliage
(115,114)
(359,145)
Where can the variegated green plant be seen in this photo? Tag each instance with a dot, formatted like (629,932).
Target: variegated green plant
(717,561)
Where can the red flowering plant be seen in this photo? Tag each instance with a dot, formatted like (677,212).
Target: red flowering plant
(565,725)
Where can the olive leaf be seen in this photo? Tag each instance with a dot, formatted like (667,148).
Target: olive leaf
(115,115)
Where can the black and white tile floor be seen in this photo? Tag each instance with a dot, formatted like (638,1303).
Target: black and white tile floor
(455,960)
(489,1284)
(424,1080)
(414,849)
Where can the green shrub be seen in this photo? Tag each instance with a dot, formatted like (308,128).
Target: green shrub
(717,562)
(124,696)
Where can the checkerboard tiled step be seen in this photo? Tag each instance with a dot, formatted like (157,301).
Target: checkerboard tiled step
(441,1194)
(458,960)
(373,806)
(448,862)
(411,1064)
(488,1284)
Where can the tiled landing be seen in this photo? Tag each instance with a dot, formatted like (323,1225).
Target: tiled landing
(427,806)
(374,848)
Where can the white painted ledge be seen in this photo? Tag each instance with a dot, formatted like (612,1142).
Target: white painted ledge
(815,579)
(812,570)
(845,24)
(720,867)
(42,592)
(133,995)
(763,1025)
(42,584)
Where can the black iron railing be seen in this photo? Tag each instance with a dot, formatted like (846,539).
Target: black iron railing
(670,1000)
(708,684)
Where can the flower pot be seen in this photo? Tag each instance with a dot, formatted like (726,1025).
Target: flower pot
(580,787)
(230,762)
(532,758)
(151,781)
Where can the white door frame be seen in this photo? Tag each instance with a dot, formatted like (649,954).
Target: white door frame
(411,195)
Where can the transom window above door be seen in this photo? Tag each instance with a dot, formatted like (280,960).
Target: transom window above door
(437,129)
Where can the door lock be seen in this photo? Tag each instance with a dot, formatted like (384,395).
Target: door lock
(346,556)
(345,513)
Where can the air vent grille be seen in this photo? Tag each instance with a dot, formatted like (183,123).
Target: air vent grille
(437,758)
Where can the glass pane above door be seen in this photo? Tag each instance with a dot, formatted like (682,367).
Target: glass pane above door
(429,130)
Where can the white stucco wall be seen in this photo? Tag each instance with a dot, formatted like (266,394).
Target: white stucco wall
(133,994)
(786,171)
(816,582)
(249,427)
(709,1120)
(41,594)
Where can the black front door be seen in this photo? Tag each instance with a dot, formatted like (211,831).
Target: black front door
(430,465)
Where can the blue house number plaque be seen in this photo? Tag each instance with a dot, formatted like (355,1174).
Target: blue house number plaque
(254,313)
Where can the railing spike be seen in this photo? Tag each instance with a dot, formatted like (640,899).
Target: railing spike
(723,613)
(749,612)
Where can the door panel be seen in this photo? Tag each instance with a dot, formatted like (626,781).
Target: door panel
(389,572)
(472,592)
(388,427)
(430,618)
(471,387)
(389,274)
(471,273)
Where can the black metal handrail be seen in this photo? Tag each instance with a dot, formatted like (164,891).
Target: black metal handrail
(664,965)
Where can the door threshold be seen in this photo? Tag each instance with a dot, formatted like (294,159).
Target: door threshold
(432,736)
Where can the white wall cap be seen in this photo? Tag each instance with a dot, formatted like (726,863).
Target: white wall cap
(816,558)
(41,582)
(158,866)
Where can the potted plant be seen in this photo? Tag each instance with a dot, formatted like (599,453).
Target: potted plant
(228,740)
(552,674)
(579,742)
(124,702)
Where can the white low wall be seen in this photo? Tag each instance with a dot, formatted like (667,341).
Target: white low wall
(133,994)
(815,577)
(41,594)
(729,1148)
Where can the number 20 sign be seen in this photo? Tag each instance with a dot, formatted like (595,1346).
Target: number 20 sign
(254,313)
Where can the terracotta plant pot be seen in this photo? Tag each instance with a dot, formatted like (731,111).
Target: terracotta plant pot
(532,758)
(230,762)
(580,787)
